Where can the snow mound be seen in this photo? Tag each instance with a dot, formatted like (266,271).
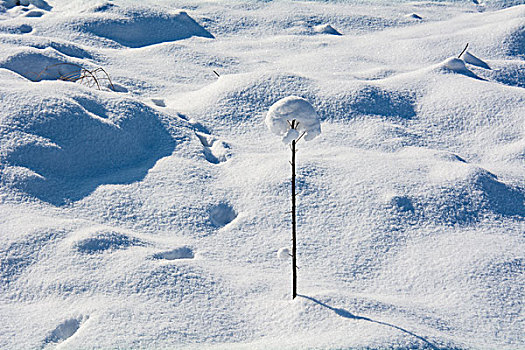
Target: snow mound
(326,29)
(236,102)
(414,16)
(467,193)
(76,140)
(236,98)
(63,47)
(457,65)
(282,113)
(139,27)
(38,65)
(508,72)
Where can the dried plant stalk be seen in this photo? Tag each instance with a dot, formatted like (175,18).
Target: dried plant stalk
(81,75)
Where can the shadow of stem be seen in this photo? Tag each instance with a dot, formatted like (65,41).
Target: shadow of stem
(347,314)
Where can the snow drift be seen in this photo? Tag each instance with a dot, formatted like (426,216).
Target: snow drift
(138,27)
(69,145)
(155,217)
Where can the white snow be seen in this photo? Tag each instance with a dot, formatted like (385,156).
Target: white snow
(290,135)
(326,29)
(455,64)
(471,59)
(283,254)
(293,111)
(414,16)
(153,214)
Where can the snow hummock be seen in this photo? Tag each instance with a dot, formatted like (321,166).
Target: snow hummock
(326,29)
(281,114)
(128,222)
(138,27)
(457,65)
(414,16)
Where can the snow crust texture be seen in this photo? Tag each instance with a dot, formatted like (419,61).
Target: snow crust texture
(152,211)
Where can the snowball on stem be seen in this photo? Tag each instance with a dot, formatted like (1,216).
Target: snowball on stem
(281,114)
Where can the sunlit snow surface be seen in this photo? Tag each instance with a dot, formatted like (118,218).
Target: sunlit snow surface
(293,117)
(154,213)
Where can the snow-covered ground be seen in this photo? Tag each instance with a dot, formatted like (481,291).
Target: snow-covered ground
(152,211)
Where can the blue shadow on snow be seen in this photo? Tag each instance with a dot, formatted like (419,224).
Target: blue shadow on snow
(349,315)
(87,148)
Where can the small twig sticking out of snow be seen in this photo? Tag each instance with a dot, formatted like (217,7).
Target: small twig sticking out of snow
(292,118)
(77,74)
(92,76)
(300,137)
(462,52)
(217,74)
(107,77)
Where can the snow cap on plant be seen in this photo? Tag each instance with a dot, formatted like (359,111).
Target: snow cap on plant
(282,114)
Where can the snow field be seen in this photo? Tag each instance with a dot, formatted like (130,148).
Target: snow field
(151,215)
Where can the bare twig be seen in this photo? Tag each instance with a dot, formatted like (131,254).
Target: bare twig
(462,52)
(46,70)
(79,74)
(300,137)
(107,76)
(92,76)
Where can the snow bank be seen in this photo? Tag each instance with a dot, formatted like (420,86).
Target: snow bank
(292,116)
(138,27)
(76,137)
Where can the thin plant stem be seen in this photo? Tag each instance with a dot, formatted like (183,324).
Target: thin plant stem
(294,223)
